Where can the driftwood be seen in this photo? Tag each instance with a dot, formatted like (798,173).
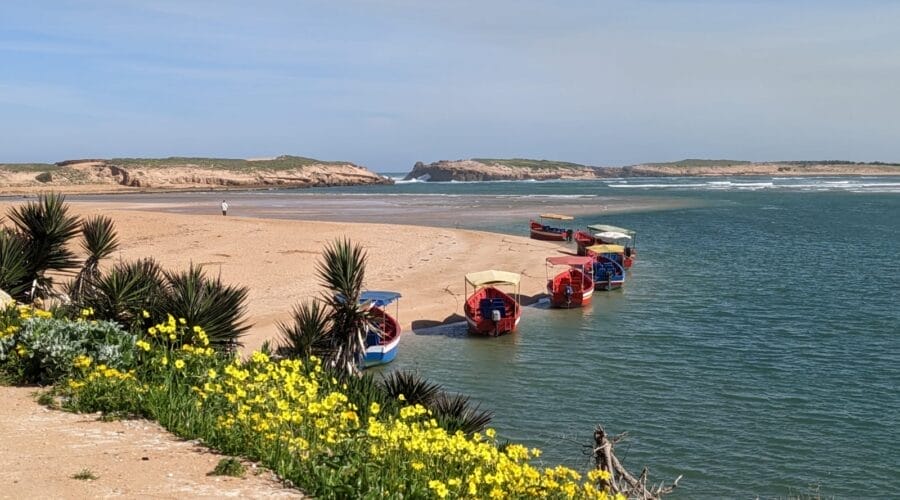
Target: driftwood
(620,480)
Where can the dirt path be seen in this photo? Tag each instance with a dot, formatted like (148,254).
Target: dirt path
(40,449)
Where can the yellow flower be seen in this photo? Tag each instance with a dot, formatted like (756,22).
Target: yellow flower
(82,361)
(212,373)
(145,314)
(164,361)
(143,345)
(418,465)
(490,433)
(179,364)
(182,321)
(374,408)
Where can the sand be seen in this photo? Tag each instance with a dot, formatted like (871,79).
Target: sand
(276,260)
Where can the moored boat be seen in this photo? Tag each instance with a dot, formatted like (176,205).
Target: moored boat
(490,311)
(609,266)
(542,231)
(573,287)
(583,239)
(606,234)
(383,335)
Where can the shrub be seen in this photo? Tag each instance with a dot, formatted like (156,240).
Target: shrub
(43,349)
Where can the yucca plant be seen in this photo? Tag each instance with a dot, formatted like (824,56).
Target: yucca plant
(13,263)
(307,334)
(99,240)
(125,291)
(455,412)
(342,271)
(46,228)
(363,390)
(414,388)
(218,308)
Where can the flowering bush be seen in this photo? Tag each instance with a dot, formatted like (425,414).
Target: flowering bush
(41,349)
(298,419)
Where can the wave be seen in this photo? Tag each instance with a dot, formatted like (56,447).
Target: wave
(778,183)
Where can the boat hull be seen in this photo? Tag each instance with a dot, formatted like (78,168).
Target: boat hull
(582,241)
(479,310)
(547,233)
(580,292)
(382,349)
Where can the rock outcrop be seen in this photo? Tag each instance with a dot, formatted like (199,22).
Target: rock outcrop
(499,170)
(130,174)
(520,169)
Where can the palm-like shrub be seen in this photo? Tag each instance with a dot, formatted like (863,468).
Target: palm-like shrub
(125,291)
(342,271)
(455,412)
(13,263)
(414,388)
(218,308)
(99,240)
(307,334)
(46,228)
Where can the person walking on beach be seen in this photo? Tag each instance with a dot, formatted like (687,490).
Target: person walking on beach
(224,208)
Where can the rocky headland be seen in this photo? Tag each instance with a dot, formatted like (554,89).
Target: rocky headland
(144,174)
(522,169)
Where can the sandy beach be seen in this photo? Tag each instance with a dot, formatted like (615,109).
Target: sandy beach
(276,259)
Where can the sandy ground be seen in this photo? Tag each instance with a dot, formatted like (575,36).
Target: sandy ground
(40,449)
(276,259)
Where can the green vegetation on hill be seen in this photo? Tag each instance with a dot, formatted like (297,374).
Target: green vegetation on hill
(534,164)
(28,167)
(285,162)
(694,162)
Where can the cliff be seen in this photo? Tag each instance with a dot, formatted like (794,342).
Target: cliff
(483,169)
(133,174)
(519,169)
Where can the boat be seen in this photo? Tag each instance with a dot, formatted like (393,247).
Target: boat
(490,311)
(609,266)
(583,239)
(542,231)
(383,335)
(606,234)
(573,287)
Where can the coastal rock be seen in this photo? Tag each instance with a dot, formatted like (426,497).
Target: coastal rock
(499,170)
(184,173)
(522,169)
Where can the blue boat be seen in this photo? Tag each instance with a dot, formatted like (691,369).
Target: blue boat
(383,335)
(609,266)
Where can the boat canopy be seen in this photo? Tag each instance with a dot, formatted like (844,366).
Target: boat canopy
(378,298)
(606,249)
(557,217)
(569,260)
(492,277)
(602,228)
(612,235)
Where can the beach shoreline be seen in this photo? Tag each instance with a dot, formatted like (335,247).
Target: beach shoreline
(275,259)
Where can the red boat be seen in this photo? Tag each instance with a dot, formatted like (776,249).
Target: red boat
(583,240)
(573,287)
(542,231)
(490,311)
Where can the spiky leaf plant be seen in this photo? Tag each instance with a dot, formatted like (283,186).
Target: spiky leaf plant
(456,412)
(13,263)
(46,227)
(342,271)
(365,389)
(125,291)
(414,388)
(99,240)
(218,308)
(307,334)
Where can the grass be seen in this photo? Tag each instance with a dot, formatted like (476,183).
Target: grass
(229,466)
(29,167)
(48,399)
(533,164)
(84,475)
(694,162)
(285,162)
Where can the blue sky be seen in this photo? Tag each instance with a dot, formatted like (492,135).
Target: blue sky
(387,83)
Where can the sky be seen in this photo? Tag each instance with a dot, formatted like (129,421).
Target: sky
(391,82)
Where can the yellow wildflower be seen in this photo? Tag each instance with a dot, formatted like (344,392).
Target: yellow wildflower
(179,364)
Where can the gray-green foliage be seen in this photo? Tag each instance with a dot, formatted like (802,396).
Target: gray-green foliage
(51,345)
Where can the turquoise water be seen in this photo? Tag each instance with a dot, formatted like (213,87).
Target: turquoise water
(755,348)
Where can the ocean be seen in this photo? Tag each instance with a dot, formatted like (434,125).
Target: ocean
(755,348)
